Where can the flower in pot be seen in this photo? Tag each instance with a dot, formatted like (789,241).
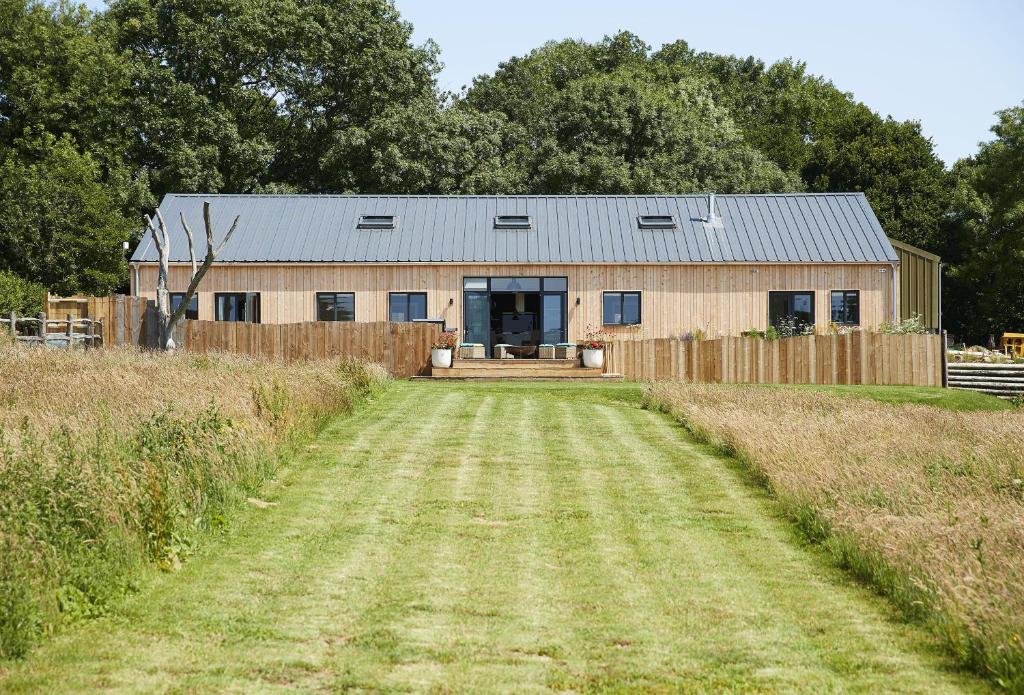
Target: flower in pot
(441,350)
(593,350)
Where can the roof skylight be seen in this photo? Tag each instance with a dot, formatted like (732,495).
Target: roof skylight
(656,222)
(513,222)
(377,222)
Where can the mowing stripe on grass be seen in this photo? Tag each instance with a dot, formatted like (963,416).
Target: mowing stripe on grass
(485,538)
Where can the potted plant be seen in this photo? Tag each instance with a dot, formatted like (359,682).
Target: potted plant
(441,350)
(593,350)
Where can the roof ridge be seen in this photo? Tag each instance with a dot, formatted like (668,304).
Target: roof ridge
(413,196)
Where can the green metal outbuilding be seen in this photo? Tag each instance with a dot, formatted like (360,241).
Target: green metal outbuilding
(920,284)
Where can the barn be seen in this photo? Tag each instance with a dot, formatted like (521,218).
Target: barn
(530,270)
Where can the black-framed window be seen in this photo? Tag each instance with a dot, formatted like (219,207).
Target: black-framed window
(192,312)
(795,308)
(407,306)
(846,307)
(237,306)
(335,306)
(621,308)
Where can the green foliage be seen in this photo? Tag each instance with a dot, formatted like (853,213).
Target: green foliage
(988,230)
(82,512)
(914,324)
(600,118)
(809,127)
(19,295)
(59,225)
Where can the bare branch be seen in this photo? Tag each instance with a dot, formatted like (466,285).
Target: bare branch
(228,235)
(163,228)
(157,237)
(209,228)
(191,243)
(198,275)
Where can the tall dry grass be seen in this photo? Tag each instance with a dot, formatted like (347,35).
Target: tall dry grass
(117,459)
(927,504)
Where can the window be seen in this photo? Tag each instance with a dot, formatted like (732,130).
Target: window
(846,307)
(377,222)
(513,222)
(794,309)
(474,284)
(556,284)
(621,308)
(515,284)
(407,306)
(335,306)
(656,222)
(237,306)
(192,312)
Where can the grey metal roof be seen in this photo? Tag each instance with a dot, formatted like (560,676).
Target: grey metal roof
(776,228)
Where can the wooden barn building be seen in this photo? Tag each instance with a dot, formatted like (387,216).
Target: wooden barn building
(529,270)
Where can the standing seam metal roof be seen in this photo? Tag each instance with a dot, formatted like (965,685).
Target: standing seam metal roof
(772,228)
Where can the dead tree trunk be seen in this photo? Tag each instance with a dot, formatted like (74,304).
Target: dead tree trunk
(167,319)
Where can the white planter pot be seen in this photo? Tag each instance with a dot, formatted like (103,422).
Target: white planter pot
(440,358)
(593,358)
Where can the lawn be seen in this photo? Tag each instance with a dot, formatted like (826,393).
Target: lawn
(533,537)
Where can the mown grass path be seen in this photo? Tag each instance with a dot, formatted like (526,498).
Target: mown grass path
(500,538)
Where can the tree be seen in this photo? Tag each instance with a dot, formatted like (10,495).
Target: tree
(985,291)
(602,118)
(243,95)
(808,127)
(168,319)
(59,225)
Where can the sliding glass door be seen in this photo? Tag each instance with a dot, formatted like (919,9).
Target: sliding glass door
(524,312)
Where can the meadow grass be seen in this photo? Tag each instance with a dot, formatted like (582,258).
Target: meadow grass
(116,460)
(927,503)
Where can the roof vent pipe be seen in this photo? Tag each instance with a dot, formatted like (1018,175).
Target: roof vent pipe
(711,208)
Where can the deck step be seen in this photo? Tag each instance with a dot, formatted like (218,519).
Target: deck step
(514,364)
(500,371)
(605,378)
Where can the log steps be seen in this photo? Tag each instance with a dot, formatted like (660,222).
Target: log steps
(1002,380)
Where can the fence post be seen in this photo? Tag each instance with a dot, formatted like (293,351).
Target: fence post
(945,361)
(90,333)
(42,326)
(14,325)
(70,330)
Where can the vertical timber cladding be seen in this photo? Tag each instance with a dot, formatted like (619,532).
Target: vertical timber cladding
(920,284)
(720,299)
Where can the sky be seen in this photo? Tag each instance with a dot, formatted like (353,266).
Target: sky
(948,64)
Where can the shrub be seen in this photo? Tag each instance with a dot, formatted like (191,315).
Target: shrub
(915,324)
(22,297)
(129,464)
(694,336)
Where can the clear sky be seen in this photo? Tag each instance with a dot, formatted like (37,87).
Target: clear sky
(949,64)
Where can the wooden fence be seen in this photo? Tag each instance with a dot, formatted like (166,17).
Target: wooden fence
(39,330)
(403,348)
(857,358)
(126,320)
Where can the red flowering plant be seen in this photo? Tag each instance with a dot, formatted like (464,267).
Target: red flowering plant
(445,341)
(594,341)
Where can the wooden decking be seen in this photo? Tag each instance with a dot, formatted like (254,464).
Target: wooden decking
(520,370)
